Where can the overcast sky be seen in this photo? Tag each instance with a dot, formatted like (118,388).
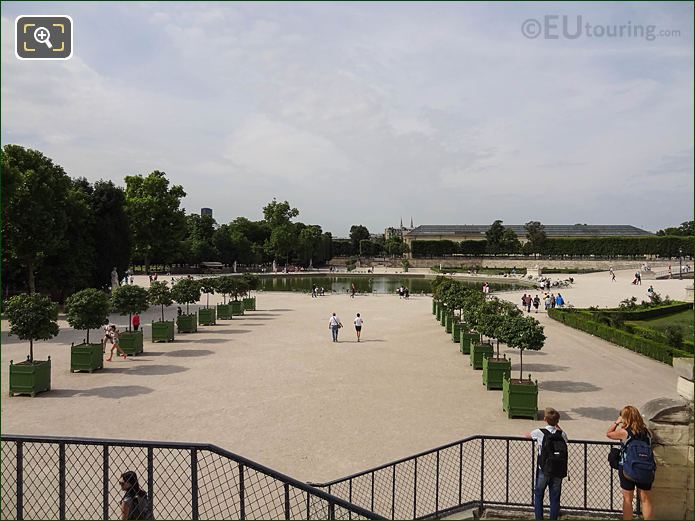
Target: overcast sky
(363,113)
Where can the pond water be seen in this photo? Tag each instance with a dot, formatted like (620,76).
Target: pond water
(366,284)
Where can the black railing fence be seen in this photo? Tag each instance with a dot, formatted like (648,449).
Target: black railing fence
(76,478)
(479,471)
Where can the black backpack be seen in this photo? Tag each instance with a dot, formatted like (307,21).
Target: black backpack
(140,508)
(553,458)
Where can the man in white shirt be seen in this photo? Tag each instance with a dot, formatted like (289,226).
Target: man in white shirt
(334,324)
(543,481)
(358,325)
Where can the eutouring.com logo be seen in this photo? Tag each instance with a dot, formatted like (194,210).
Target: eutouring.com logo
(566,27)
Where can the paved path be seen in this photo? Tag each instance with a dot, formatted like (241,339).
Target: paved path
(273,387)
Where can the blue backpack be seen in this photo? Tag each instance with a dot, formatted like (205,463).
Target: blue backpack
(638,460)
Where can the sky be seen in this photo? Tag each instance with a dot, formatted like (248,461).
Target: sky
(366,113)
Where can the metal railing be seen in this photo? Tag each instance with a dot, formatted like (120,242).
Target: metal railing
(77,478)
(479,471)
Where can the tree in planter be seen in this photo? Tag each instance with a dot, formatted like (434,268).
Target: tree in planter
(225,286)
(159,294)
(88,309)
(130,299)
(253,282)
(523,333)
(208,286)
(186,291)
(492,317)
(32,317)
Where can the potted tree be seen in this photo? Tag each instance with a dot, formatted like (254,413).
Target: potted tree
(87,309)
(469,311)
(225,285)
(31,317)
(207,315)
(186,291)
(520,397)
(240,289)
(253,282)
(478,348)
(455,296)
(126,300)
(492,324)
(159,294)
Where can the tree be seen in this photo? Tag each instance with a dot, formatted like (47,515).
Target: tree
(157,222)
(112,231)
(225,286)
(88,309)
(358,233)
(494,236)
(32,317)
(309,243)
(129,299)
(199,242)
(493,315)
(510,242)
(279,214)
(208,286)
(684,230)
(186,291)
(34,214)
(535,235)
(252,281)
(395,246)
(523,333)
(159,294)
(282,241)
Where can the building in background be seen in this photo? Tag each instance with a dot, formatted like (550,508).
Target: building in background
(399,231)
(206,211)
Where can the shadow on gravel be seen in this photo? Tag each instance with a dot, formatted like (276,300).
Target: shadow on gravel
(597,413)
(184,353)
(113,392)
(566,386)
(143,370)
(540,368)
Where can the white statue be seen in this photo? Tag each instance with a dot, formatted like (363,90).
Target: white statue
(114,279)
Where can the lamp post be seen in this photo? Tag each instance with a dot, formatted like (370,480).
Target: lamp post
(680,263)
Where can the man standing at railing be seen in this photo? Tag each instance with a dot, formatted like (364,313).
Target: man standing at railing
(552,463)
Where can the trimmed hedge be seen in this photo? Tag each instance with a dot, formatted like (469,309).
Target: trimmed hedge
(643,314)
(656,350)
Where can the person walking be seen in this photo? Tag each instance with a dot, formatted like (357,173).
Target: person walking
(523,302)
(358,325)
(334,325)
(136,321)
(552,463)
(529,303)
(536,303)
(353,289)
(559,301)
(552,301)
(612,274)
(135,503)
(115,339)
(636,467)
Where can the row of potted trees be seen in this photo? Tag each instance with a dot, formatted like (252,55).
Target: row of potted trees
(34,317)
(469,317)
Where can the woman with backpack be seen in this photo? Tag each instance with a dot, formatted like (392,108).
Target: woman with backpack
(135,503)
(637,466)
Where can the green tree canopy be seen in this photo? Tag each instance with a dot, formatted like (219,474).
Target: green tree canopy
(129,299)
(157,221)
(32,317)
(358,233)
(510,242)
(279,214)
(88,309)
(523,333)
(186,291)
(159,294)
(535,235)
(35,219)
(494,236)
(208,286)
(684,230)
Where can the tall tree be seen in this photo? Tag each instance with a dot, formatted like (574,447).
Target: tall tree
(35,191)
(157,221)
(309,243)
(358,233)
(535,235)
(279,214)
(510,241)
(494,236)
(684,230)
(199,244)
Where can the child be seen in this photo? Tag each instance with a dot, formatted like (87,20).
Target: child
(115,336)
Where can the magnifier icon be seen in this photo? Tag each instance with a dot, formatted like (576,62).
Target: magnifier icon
(43,35)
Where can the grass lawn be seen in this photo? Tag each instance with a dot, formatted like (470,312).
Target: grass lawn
(683,319)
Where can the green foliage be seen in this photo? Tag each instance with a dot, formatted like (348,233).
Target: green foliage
(158,222)
(535,236)
(198,245)
(279,214)
(159,294)
(358,233)
(253,282)
(684,230)
(588,323)
(186,291)
(226,286)
(88,309)
(208,286)
(342,248)
(129,299)
(32,317)
(523,333)
(674,336)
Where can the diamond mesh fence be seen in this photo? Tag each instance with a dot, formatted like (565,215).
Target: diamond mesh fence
(49,478)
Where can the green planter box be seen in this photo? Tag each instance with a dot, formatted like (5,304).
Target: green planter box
(207,317)
(456,332)
(494,371)
(434,307)
(163,331)
(249,304)
(449,323)
(520,399)
(478,352)
(224,311)
(187,323)
(31,378)
(466,340)
(439,311)
(131,342)
(442,318)
(86,357)
(237,307)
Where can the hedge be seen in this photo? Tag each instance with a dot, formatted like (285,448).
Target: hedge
(656,350)
(651,312)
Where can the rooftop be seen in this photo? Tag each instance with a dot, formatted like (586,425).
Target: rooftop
(551,230)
